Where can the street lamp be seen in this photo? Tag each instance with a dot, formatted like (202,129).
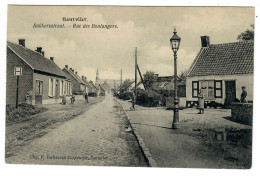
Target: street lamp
(175,43)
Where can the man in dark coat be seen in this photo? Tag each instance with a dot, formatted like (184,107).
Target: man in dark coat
(243,95)
(86,98)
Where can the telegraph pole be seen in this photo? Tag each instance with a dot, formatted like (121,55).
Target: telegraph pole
(135,75)
(121,77)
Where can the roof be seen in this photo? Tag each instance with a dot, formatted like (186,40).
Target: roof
(224,59)
(86,82)
(138,85)
(92,85)
(72,75)
(35,60)
(126,84)
(102,88)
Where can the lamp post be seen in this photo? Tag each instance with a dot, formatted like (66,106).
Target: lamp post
(175,43)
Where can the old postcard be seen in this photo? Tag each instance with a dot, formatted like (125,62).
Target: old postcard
(130,86)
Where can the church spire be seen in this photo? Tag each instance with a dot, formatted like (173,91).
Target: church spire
(97,75)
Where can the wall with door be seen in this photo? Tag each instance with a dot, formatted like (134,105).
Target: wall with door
(214,87)
(50,88)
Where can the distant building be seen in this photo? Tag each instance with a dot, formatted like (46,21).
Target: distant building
(93,88)
(41,81)
(88,86)
(126,86)
(167,83)
(79,86)
(109,83)
(220,70)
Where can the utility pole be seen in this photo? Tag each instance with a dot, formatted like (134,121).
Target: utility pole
(135,77)
(121,78)
(114,87)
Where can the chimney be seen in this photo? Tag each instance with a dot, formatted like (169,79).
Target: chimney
(76,72)
(83,78)
(73,70)
(39,50)
(156,76)
(42,53)
(205,41)
(66,66)
(21,42)
(52,59)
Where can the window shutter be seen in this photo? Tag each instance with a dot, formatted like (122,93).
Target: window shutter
(54,87)
(60,88)
(195,89)
(49,93)
(71,87)
(218,89)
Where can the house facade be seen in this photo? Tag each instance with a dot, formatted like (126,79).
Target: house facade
(41,80)
(79,86)
(88,87)
(219,71)
(93,89)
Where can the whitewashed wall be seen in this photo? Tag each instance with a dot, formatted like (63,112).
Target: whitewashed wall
(241,80)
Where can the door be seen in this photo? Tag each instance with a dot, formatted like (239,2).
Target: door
(230,92)
(38,92)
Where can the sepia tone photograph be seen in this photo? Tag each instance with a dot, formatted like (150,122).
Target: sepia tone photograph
(132,86)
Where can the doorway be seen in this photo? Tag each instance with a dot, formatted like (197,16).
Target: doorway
(230,92)
(38,92)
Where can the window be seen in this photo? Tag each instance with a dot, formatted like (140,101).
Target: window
(38,87)
(195,89)
(50,87)
(207,88)
(61,87)
(218,89)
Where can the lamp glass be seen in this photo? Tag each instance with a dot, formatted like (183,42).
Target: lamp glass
(175,44)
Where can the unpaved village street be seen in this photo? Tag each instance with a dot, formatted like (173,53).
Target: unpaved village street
(97,137)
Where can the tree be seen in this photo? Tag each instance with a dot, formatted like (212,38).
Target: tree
(149,79)
(248,34)
(183,75)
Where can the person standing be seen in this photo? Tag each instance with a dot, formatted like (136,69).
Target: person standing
(133,101)
(64,99)
(72,99)
(86,98)
(243,95)
(200,102)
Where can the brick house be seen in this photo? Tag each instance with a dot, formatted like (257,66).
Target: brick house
(41,82)
(79,86)
(219,71)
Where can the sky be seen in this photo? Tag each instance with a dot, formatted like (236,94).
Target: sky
(110,50)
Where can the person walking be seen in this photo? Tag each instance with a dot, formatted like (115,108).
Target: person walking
(86,98)
(72,99)
(243,95)
(200,102)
